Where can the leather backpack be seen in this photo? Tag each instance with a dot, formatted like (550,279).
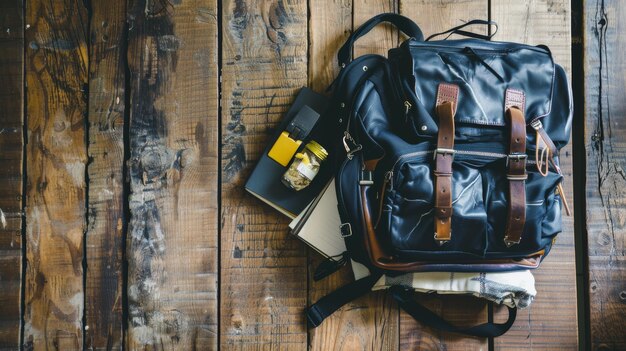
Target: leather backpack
(448,160)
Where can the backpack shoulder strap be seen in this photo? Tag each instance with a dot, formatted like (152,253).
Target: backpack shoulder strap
(330,303)
(403,297)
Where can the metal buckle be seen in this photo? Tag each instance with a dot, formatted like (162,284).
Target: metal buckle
(343,231)
(441,242)
(516,157)
(366,178)
(510,243)
(443,151)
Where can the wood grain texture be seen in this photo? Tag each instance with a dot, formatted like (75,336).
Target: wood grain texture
(550,322)
(11,157)
(263,270)
(330,24)
(605,109)
(172,238)
(106,220)
(56,76)
(380,39)
(432,17)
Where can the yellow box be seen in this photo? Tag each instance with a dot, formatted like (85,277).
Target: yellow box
(284,148)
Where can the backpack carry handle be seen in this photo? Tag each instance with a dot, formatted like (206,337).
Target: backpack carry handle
(406,25)
(459,30)
(422,314)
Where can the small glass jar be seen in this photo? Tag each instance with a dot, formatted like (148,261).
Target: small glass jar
(304,166)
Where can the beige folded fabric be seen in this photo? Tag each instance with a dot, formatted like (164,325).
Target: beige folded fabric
(513,289)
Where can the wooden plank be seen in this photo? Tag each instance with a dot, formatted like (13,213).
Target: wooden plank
(11,158)
(330,24)
(380,39)
(105,223)
(551,320)
(173,167)
(56,76)
(263,271)
(605,109)
(369,322)
(432,17)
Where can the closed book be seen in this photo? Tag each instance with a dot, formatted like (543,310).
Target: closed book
(265,180)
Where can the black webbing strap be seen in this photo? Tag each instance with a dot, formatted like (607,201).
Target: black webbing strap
(420,313)
(458,30)
(330,303)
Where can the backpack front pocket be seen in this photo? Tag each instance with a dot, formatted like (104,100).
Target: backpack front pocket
(409,223)
(543,213)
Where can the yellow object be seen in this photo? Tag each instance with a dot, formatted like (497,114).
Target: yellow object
(317,149)
(284,148)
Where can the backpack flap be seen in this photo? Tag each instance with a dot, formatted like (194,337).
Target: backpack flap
(483,71)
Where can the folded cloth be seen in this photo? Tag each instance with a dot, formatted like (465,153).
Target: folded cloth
(513,289)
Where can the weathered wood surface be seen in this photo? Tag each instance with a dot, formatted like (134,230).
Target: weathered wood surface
(605,110)
(56,76)
(124,130)
(173,168)
(11,153)
(106,222)
(551,319)
(263,272)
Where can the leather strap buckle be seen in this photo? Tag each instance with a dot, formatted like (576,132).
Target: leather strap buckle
(443,152)
(517,158)
(509,242)
(517,177)
(516,167)
(439,241)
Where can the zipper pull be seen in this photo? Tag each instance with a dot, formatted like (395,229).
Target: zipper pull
(543,151)
(389,179)
(330,266)
(407,107)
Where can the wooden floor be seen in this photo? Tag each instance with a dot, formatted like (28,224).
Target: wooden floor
(127,130)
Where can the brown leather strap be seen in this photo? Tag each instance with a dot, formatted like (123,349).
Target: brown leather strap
(516,174)
(447,97)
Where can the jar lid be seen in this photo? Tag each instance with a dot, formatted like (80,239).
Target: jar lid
(317,149)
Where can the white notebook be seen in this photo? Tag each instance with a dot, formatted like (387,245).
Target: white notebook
(318,226)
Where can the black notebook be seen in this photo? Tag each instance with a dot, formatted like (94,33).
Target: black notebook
(265,180)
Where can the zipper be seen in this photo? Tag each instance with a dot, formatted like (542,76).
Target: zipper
(340,203)
(402,159)
(538,126)
(347,137)
(407,108)
(516,47)
(463,50)
(388,182)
